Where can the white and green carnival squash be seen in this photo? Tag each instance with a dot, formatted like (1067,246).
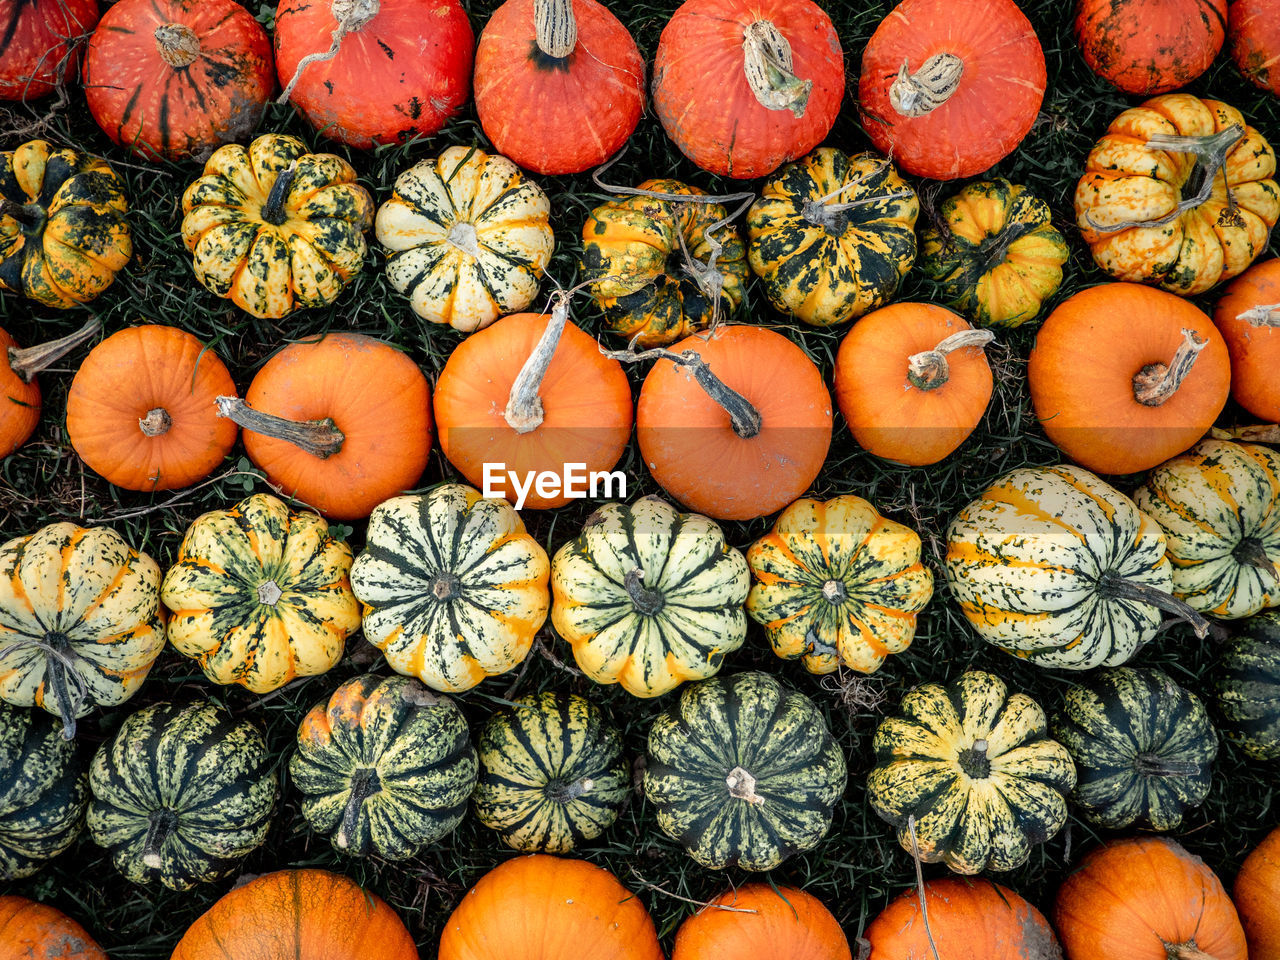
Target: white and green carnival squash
(385,767)
(1055,566)
(43,792)
(181,794)
(1219,507)
(743,772)
(453,587)
(259,595)
(973,766)
(1143,748)
(649,597)
(1247,686)
(552,773)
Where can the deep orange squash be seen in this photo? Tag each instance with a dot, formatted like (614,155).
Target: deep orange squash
(36,931)
(19,392)
(1255,896)
(781,924)
(1248,317)
(1150,46)
(1253,29)
(37,49)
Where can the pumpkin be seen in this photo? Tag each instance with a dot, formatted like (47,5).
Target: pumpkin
(1146,898)
(1248,317)
(355,90)
(1254,895)
(342,422)
(1253,29)
(1124,377)
(737,425)
(181,794)
(912,382)
(758,920)
(552,774)
(384,766)
(1247,686)
(742,86)
(1150,46)
(947,96)
(38,49)
(599,915)
(649,597)
(259,595)
(468,237)
(833,235)
(19,391)
(661,268)
(178,78)
(80,620)
(994,253)
(38,931)
(43,798)
(274,228)
(140,411)
(298,913)
(836,584)
(559,84)
(1179,192)
(63,232)
(743,772)
(454,589)
(1054,566)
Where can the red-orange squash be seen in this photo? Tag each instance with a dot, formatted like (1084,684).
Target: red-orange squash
(1150,46)
(1257,897)
(19,392)
(37,44)
(757,920)
(1248,317)
(37,931)
(1253,32)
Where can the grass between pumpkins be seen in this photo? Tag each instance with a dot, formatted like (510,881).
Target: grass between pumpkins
(859,866)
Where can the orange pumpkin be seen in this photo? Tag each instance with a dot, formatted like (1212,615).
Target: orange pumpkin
(1150,46)
(36,931)
(1248,317)
(912,382)
(781,924)
(140,411)
(1123,376)
(1256,900)
(1253,28)
(19,392)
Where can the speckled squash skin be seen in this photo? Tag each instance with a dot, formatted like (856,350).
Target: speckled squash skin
(1246,684)
(37,931)
(1150,46)
(1253,37)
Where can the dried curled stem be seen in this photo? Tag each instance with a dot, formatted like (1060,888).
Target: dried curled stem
(929,369)
(1155,383)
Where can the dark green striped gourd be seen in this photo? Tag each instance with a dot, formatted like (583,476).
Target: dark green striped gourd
(1247,686)
(743,771)
(1143,748)
(551,773)
(181,794)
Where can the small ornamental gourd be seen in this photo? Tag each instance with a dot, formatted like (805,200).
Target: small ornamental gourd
(385,767)
(1246,686)
(760,920)
(836,584)
(649,597)
(1254,895)
(38,48)
(552,774)
(181,794)
(19,392)
(1248,317)
(37,931)
(969,776)
(453,588)
(1143,748)
(1253,39)
(743,772)
(1174,44)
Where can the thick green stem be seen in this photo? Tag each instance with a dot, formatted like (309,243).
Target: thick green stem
(566,791)
(159,825)
(273,211)
(30,215)
(1117,587)
(364,784)
(1150,765)
(1250,551)
(647,602)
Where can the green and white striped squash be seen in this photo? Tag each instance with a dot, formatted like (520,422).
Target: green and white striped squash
(743,772)
(453,588)
(1219,507)
(385,767)
(975,767)
(1143,748)
(43,792)
(181,794)
(649,597)
(551,773)
(1247,686)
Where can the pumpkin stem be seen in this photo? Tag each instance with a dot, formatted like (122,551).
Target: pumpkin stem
(446,587)
(1151,765)
(554,28)
(351,15)
(1186,951)
(156,423)
(647,602)
(273,211)
(1250,551)
(742,786)
(269,593)
(834,591)
(60,667)
(994,249)
(26,362)
(974,761)
(178,43)
(823,212)
(1263,315)
(1156,383)
(929,369)
(922,92)
(524,411)
(159,825)
(320,438)
(29,215)
(565,791)
(1113,585)
(364,784)
(770,69)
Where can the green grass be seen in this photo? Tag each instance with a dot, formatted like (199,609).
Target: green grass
(859,866)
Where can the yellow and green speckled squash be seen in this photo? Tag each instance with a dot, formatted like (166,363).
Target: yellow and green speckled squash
(552,773)
(63,231)
(260,595)
(649,597)
(838,584)
(832,236)
(974,766)
(995,253)
(453,587)
(1246,684)
(80,620)
(274,228)
(1219,507)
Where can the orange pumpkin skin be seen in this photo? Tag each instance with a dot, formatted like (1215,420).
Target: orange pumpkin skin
(1254,348)
(542,906)
(36,44)
(1082,370)
(1257,897)
(1253,29)
(1150,46)
(36,931)
(1137,898)
(21,401)
(788,924)
(298,913)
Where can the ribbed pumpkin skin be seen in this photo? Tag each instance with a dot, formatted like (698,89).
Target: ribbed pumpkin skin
(1252,333)
(181,794)
(385,767)
(781,924)
(74,237)
(43,793)
(1247,686)
(826,266)
(1255,898)
(1150,46)
(37,931)
(453,587)
(649,597)
(728,740)
(1253,32)
(260,595)
(1143,748)
(36,50)
(552,774)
